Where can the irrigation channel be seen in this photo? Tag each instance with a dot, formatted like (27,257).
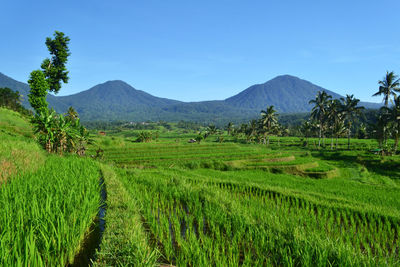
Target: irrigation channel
(92,241)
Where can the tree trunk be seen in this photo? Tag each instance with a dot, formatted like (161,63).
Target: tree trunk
(268,141)
(348,139)
(320,134)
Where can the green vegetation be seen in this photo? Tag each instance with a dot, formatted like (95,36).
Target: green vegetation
(231,204)
(12,100)
(125,241)
(56,133)
(45,214)
(48,202)
(19,153)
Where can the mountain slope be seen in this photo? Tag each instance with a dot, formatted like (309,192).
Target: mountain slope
(287,93)
(117,100)
(24,89)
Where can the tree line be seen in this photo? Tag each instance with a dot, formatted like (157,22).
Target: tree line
(334,118)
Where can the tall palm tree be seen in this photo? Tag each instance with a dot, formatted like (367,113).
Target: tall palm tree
(230,127)
(388,86)
(339,129)
(334,116)
(251,130)
(393,116)
(350,110)
(319,111)
(268,121)
(306,130)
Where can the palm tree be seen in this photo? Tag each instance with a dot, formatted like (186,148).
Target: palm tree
(251,130)
(381,126)
(319,111)
(230,127)
(306,130)
(212,129)
(338,129)
(388,86)
(393,116)
(334,116)
(350,110)
(268,121)
(72,114)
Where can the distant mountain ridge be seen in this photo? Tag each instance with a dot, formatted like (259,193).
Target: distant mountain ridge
(117,100)
(287,93)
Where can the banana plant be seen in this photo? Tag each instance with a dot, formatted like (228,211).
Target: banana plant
(44,127)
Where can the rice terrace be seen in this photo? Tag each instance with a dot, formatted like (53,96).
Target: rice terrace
(283,173)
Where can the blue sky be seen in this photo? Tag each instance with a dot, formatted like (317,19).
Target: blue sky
(203,50)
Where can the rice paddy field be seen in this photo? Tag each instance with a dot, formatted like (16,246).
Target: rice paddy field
(170,202)
(48,203)
(233,204)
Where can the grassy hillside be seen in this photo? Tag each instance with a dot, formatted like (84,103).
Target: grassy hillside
(19,153)
(48,202)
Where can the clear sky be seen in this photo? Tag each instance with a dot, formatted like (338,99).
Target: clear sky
(208,49)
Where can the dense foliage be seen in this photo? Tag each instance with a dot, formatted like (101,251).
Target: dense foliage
(12,100)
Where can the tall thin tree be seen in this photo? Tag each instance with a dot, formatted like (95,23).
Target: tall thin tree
(351,111)
(388,86)
(319,111)
(268,121)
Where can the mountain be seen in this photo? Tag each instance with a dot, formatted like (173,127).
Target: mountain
(24,89)
(117,100)
(288,94)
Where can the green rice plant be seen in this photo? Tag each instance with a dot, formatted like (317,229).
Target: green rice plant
(46,214)
(223,224)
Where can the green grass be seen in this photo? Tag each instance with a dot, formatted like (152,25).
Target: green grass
(19,153)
